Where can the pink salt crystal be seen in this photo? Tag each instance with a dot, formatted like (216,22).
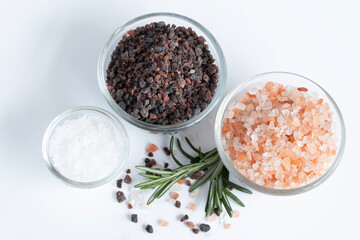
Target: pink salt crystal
(191,206)
(212,217)
(227,225)
(164,223)
(236,214)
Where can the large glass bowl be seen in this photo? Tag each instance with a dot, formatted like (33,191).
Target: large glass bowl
(169,18)
(73,114)
(286,79)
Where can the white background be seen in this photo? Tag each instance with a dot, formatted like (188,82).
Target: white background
(48,58)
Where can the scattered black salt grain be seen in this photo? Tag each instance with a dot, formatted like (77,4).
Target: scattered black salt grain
(127,179)
(134,218)
(188,183)
(150,154)
(147,160)
(217,211)
(166,165)
(119,183)
(178,204)
(128,171)
(196,175)
(184,218)
(167,151)
(153,162)
(204,227)
(149,228)
(120,196)
(195,230)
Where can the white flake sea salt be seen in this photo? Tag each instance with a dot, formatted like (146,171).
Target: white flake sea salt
(85,149)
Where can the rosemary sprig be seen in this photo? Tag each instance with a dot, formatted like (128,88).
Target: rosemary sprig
(213,170)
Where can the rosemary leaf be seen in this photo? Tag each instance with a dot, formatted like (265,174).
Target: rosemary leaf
(183,151)
(225,174)
(227,206)
(153,196)
(191,145)
(220,184)
(218,167)
(211,205)
(201,155)
(218,195)
(233,197)
(237,187)
(156,171)
(208,198)
(203,178)
(172,152)
(151,183)
(149,176)
(169,185)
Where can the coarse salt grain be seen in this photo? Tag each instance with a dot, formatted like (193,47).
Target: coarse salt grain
(191,206)
(236,214)
(164,223)
(212,217)
(283,138)
(227,226)
(85,149)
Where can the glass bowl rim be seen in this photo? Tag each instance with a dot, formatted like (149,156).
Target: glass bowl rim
(78,184)
(153,127)
(280,192)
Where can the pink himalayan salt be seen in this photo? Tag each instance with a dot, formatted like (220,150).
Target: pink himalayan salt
(282,138)
(212,217)
(236,214)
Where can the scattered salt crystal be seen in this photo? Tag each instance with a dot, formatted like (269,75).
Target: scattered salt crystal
(193,194)
(176,187)
(236,214)
(85,149)
(148,207)
(212,217)
(227,225)
(191,206)
(164,223)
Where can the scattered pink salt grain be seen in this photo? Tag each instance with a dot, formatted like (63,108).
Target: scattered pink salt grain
(164,223)
(212,217)
(190,224)
(174,195)
(191,206)
(279,136)
(236,214)
(151,148)
(227,226)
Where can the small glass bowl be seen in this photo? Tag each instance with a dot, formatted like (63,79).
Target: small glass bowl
(291,79)
(73,114)
(168,18)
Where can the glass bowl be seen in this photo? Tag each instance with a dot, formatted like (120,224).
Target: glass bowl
(169,18)
(73,114)
(286,79)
